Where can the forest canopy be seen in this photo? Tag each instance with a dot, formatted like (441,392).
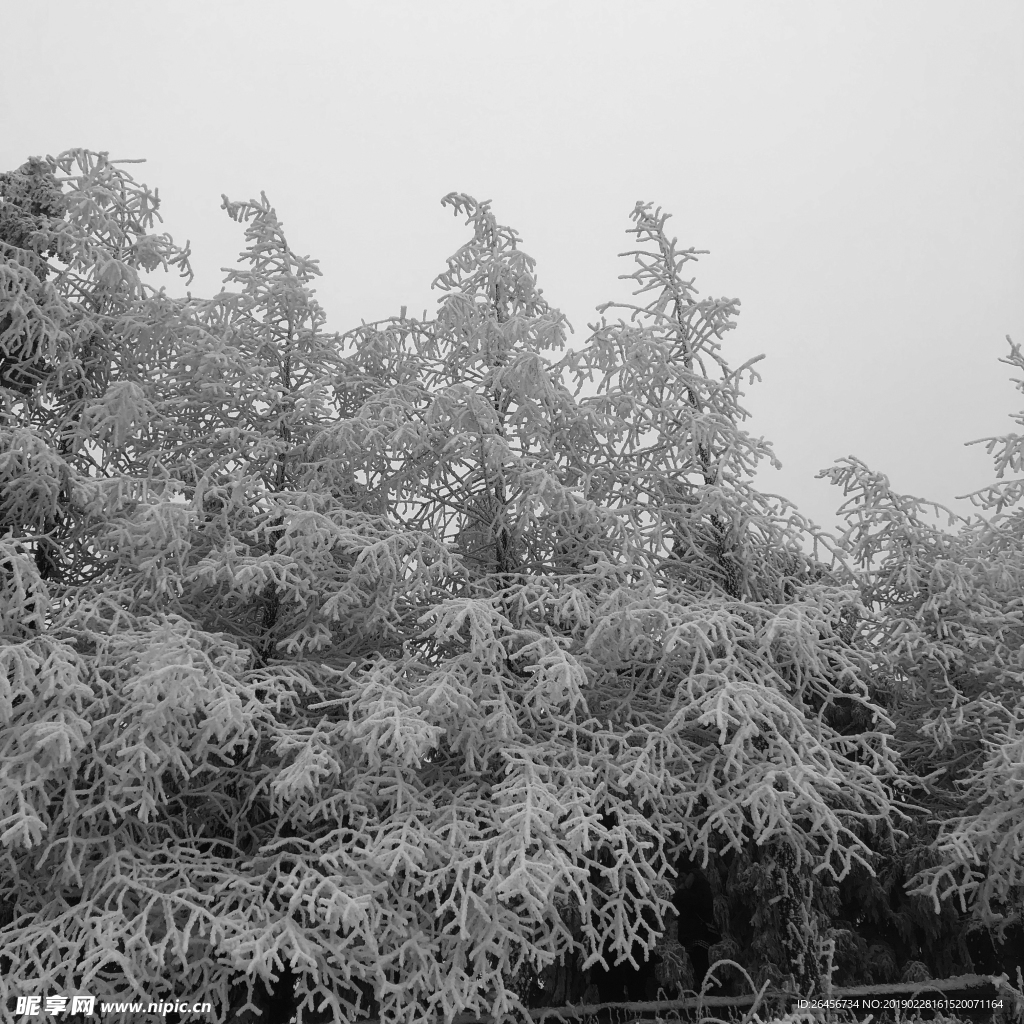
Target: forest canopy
(429,667)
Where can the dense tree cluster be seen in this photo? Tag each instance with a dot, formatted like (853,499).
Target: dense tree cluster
(399,673)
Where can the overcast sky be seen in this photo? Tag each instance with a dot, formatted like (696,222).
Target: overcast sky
(854,169)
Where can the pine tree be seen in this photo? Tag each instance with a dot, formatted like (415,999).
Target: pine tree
(654,565)
(378,671)
(946,624)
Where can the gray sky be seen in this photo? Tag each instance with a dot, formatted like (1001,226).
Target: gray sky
(854,168)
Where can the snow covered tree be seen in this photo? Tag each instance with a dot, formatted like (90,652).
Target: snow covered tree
(62,330)
(679,579)
(386,671)
(947,628)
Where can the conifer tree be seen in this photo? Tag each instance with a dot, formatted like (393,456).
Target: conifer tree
(986,691)
(946,623)
(385,671)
